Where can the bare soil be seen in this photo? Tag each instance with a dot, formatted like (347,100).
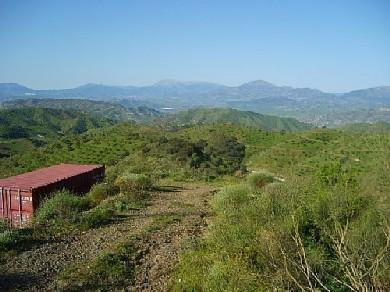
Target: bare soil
(161,243)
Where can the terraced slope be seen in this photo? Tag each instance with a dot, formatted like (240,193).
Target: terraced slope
(200,116)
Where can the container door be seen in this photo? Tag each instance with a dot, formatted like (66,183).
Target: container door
(7,200)
(2,205)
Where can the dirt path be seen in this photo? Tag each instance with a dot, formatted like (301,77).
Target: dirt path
(171,218)
(192,208)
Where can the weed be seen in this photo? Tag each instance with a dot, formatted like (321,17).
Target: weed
(162,221)
(109,271)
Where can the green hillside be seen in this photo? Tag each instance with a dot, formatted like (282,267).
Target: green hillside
(379,127)
(315,200)
(144,149)
(113,111)
(200,116)
(26,128)
(288,202)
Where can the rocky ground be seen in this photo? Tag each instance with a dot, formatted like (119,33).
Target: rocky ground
(172,218)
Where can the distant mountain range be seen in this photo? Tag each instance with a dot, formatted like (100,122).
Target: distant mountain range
(173,89)
(306,104)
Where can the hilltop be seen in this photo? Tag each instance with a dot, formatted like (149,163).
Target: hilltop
(200,116)
(110,110)
(26,128)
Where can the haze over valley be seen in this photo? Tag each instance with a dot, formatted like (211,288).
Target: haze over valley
(308,105)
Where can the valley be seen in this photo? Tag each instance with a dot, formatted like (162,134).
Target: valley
(305,104)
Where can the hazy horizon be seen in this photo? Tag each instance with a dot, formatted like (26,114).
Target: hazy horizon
(333,46)
(191,81)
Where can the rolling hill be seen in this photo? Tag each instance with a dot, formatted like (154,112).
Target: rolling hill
(305,104)
(200,116)
(27,128)
(380,127)
(109,110)
(306,184)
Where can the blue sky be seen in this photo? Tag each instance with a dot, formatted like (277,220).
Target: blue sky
(333,45)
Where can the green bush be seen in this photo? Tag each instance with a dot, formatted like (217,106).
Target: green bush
(330,173)
(101,191)
(200,271)
(3,225)
(135,185)
(61,207)
(123,203)
(8,239)
(271,239)
(96,217)
(257,180)
(230,199)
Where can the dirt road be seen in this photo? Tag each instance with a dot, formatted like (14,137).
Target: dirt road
(174,216)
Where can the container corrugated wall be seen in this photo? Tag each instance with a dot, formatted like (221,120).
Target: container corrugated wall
(17,206)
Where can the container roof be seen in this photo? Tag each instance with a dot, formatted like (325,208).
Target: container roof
(45,176)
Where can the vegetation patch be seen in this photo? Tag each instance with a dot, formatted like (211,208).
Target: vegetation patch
(304,234)
(259,179)
(162,221)
(62,207)
(111,271)
(24,129)
(318,220)
(135,185)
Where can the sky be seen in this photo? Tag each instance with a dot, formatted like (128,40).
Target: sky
(332,45)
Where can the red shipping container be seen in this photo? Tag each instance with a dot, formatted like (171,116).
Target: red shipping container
(22,194)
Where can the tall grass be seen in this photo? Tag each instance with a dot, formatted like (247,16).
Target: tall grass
(302,234)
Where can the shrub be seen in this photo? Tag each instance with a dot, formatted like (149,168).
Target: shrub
(257,180)
(101,191)
(96,217)
(335,232)
(230,199)
(8,238)
(61,207)
(125,203)
(135,185)
(3,226)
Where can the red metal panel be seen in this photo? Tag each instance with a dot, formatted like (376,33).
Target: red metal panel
(21,195)
(14,205)
(24,201)
(45,176)
(16,215)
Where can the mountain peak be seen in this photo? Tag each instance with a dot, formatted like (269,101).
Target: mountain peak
(174,82)
(89,85)
(258,84)
(12,85)
(13,89)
